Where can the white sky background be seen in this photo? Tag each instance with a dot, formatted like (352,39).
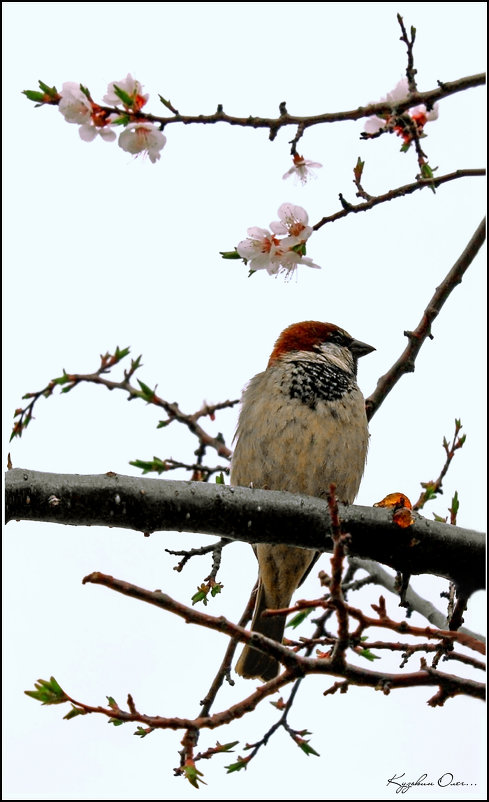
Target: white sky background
(102,249)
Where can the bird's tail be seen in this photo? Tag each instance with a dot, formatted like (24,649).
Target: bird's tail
(253,663)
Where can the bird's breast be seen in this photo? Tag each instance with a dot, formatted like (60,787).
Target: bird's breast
(300,429)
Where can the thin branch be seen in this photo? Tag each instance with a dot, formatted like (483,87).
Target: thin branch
(377,575)
(191,737)
(400,192)
(405,363)
(274,124)
(409,42)
(431,489)
(295,664)
(68,381)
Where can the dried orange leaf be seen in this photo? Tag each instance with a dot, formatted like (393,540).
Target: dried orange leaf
(402,517)
(395,500)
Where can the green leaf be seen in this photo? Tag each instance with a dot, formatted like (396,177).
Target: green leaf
(230,254)
(369,655)
(112,703)
(307,748)
(120,353)
(193,775)
(299,618)
(75,711)
(242,763)
(216,588)
(64,379)
(200,596)
(147,392)
(36,97)
(427,173)
(220,479)
(115,722)
(358,169)
(124,119)
(455,503)
(142,732)
(226,747)
(48,90)
(126,99)
(300,248)
(156,465)
(48,692)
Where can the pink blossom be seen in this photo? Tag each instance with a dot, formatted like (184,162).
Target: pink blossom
(142,138)
(302,169)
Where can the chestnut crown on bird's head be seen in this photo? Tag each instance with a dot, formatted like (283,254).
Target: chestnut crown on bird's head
(310,335)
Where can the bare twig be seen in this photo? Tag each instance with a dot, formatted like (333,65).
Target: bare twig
(274,124)
(405,363)
(400,192)
(435,487)
(69,381)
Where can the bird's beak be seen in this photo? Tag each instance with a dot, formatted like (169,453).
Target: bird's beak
(359,349)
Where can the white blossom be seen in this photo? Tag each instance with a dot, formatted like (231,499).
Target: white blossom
(74,104)
(265,251)
(302,169)
(131,87)
(89,132)
(293,222)
(419,114)
(142,138)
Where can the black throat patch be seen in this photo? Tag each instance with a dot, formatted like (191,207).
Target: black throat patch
(311,382)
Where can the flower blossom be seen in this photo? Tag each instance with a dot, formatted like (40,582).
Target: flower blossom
(418,114)
(77,108)
(302,169)
(131,87)
(266,251)
(143,138)
(293,221)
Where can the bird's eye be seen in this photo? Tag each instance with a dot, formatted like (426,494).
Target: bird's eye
(339,338)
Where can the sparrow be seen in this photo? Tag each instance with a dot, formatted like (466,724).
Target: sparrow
(302,426)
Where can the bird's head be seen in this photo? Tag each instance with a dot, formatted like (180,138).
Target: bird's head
(323,339)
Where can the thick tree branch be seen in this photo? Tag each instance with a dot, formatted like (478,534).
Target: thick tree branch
(416,338)
(249,515)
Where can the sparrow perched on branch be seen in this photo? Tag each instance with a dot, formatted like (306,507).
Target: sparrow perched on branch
(302,426)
